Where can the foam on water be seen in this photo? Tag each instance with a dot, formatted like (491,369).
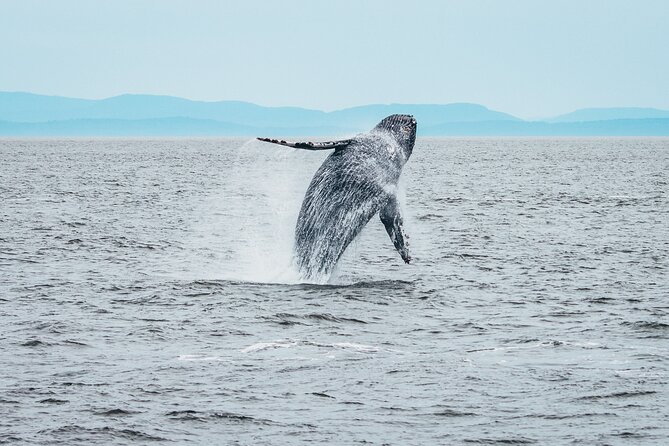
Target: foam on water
(289,343)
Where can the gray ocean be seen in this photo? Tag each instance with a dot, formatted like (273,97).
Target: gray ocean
(147,297)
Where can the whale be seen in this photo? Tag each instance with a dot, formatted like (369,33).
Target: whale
(357,181)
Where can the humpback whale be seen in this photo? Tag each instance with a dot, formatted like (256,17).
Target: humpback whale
(357,181)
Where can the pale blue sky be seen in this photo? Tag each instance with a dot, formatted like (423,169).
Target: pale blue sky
(530,58)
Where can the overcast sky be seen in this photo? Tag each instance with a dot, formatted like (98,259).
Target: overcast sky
(531,58)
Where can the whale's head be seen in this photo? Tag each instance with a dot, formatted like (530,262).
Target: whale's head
(402,128)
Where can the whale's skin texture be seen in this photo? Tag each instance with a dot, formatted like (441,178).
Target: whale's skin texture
(358,180)
(352,185)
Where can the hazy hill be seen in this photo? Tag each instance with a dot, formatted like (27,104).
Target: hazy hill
(26,114)
(427,114)
(607,114)
(27,107)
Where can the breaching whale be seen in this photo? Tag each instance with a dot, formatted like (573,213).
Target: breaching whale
(357,181)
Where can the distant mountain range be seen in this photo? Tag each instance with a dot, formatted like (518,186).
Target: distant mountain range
(607,114)
(26,114)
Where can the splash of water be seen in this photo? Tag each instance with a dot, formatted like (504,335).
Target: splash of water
(245,229)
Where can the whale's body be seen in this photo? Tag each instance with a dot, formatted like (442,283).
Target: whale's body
(358,180)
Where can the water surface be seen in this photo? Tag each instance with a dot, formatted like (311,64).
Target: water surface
(146,296)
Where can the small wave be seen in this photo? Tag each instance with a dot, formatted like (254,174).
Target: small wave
(193,415)
(647,325)
(298,285)
(356,347)
(115,412)
(223,284)
(430,216)
(197,357)
(106,431)
(520,440)
(179,413)
(80,384)
(628,434)
(287,343)
(576,415)
(296,319)
(453,413)
(53,401)
(73,342)
(542,344)
(449,199)
(52,327)
(229,332)
(35,343)
(4,401)
(238,417)
(330,318)
(371,284)
(649,329)
(618,395)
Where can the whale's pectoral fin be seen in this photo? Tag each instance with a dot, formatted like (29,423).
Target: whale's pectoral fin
(392,220)
(326,145)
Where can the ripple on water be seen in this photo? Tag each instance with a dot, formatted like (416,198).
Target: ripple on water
(146,296)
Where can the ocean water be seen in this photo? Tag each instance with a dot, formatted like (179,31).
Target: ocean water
(146,296)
